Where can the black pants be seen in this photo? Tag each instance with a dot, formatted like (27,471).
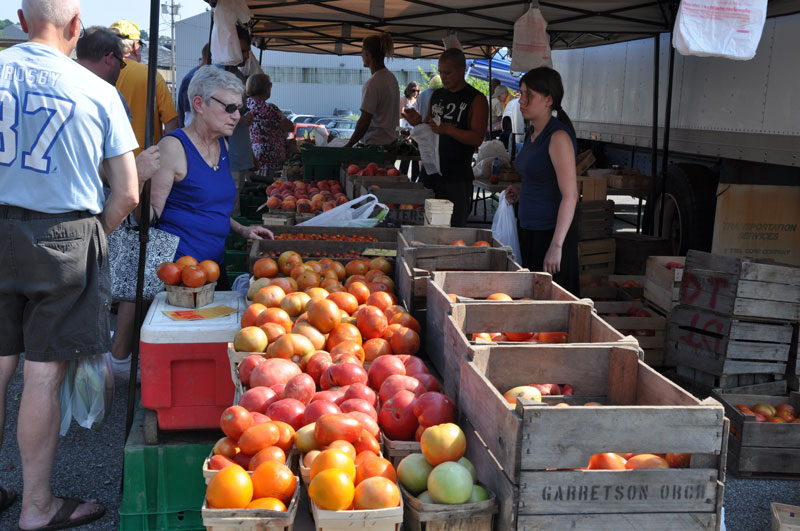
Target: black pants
(404,164)
(458,192)
(534,245)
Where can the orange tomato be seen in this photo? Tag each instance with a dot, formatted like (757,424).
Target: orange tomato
(375,347)
(169,273)
(343,332)
(270,453)
(218,462)
(230,488)
(185,261)
(606,461)
(265,268)
(375,467)
(481,243)
(499,297)
(371,321)
(211,268)
(235,421)
(333,459)
(258,437)
(458,243)
(251,315)
(193,276)
(269,504)
(332,489)
(360,291)
(376,493)
(641,461)
(345,447)
(552,337)
(274,480)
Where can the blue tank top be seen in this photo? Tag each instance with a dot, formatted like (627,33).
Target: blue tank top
(198,208)
(540,196)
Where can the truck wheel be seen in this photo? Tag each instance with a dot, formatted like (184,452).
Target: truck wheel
(689,206)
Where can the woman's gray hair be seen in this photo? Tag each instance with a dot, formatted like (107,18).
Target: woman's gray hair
(209,79)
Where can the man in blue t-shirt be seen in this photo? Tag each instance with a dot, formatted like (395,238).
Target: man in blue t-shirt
(58,124)
(184,107)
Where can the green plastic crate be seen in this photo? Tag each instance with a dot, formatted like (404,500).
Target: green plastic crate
(163,485)
(324,162)
(242,220)
(248,205)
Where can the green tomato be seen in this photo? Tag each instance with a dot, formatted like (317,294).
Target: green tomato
(413,472)
(478,494)
(468,465)
(450,483)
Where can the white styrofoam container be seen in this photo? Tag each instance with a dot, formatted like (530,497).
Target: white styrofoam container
(160,329)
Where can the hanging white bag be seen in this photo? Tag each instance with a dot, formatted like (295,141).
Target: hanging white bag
(225,48)
(451,41)
(531,46)
(355,213)
(721,28)
(504,225)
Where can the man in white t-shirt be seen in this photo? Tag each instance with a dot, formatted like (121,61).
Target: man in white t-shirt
(58,124)
(380,95)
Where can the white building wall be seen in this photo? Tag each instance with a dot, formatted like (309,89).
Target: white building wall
(191,35)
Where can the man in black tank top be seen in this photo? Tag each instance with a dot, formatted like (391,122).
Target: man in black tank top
(462,112)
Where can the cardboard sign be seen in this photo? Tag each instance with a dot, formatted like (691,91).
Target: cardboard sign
(758,221)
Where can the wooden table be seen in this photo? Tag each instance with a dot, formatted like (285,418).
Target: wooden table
(487,192)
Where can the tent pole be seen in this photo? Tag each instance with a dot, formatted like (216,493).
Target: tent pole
(654,140)
(490,56)
(144,202)
(665,149)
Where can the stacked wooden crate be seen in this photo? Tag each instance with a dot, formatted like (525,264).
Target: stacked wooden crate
(662,287)
(540,451)
(734,325)
(594,217)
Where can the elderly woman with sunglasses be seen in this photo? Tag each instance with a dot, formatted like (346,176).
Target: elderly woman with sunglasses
(193,193)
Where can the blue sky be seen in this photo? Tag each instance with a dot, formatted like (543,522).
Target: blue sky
(105,12)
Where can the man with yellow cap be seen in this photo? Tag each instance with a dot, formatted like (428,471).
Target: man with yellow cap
(132,83)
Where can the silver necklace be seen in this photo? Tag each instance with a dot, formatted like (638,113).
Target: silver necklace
(207,156)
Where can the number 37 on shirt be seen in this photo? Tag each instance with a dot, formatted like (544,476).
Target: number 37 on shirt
(57,111)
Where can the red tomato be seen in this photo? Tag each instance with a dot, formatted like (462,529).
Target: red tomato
(396,417)
(169,273)
(552,337)
(336,426)
(434,408)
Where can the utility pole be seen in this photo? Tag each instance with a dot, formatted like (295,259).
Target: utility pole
(171,9)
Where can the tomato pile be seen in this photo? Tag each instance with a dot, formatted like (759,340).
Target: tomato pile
(633,461)
(307,197)
(371,170)
(350,253)
(327,237)
(186,271)
(441,473)
(781,413)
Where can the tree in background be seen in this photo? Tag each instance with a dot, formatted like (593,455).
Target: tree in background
(479,84)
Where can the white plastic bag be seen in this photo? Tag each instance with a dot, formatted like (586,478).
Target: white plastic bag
(251,67)
(225,48)
(428,143)
(723,28)
(355,213)
(92,390)
(65,395)
(531,47)
(320,137)
(494,149)
(451,41)
(504,225)
(482,169)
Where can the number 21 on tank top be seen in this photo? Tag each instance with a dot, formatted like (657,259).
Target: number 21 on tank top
(59,111)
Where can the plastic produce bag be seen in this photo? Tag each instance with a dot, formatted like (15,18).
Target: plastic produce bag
(504,225)
(320,137)
(451,41)
(531,46)
(494,149)
(355,213)
(92,390)
(65,395)
(225,48)
(428,143)
(723,28)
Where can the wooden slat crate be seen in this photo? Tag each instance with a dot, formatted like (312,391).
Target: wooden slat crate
(536,444)
(595,219)
(417,264)
(784,517)
(252,519)
(613,287)
(386,238)
(633,250)
(376,519)
(277,220)
(353,183)
(761,447)
(395,451)
(427,236)
(596,257)
(725,346)
(741,288)
(592,188)
(701,382)
(397,192)
(577,319)
(418,516)
(662,287)
(584,161)
(649,330)
(472,287)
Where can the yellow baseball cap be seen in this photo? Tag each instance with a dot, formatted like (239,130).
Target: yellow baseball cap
(127,30)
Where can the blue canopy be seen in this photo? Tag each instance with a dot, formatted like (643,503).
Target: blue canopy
(479,68)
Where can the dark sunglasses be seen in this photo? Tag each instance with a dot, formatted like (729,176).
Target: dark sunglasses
(230,108)
(122,64)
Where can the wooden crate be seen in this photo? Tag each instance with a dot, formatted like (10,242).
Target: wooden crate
(784,517)
(395,451)
(596,257)
(701,383)
(353,183)
(398,192)
(592,188)
(385,238)
(662,287)
(417,264)
(186,297)
(578,319)
(418,516)
(649,331)
(740,287)
(473,287)
(725,346)
(397,217)
(761,447)
(536,444)
(793,367)
(613,287)
(595,219)
(426,236)
(252,519)
(277,220)
(376,519)
(633,250)
(628,179)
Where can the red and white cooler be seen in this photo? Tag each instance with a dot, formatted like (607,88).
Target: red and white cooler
(186,375)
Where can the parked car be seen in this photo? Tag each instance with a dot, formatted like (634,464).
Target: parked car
(306,131)
(342,112)
(338,127)
(301,118)
(287,112)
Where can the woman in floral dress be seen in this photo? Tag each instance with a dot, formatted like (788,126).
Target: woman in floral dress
(268,127)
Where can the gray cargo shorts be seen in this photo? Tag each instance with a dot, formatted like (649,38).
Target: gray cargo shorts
(55,292)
